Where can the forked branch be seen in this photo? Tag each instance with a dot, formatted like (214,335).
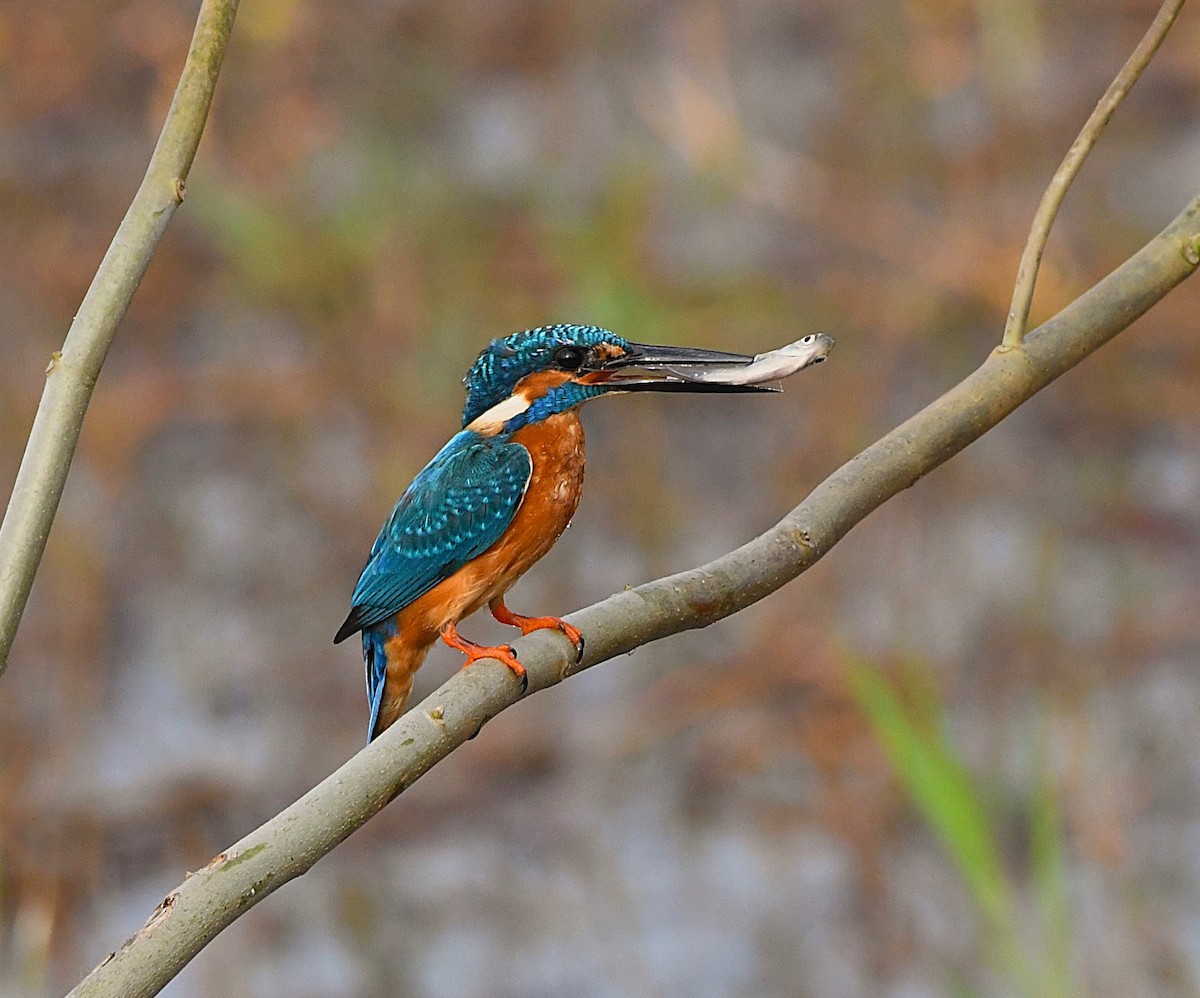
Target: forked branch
(290,843)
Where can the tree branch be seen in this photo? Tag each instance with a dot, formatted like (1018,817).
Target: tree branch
(290,843)
(1043,219)
(72,372)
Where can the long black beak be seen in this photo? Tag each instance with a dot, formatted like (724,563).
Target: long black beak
(645,367)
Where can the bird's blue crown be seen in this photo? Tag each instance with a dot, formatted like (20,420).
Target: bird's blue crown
(504,362)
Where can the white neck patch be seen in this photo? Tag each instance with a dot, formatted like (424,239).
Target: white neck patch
(492,422)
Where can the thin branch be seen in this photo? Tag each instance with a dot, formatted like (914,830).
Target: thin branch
(72,372)
(1043,219)
(290,843)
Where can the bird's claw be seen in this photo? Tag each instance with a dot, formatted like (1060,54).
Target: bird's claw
(572,634)
(508,655)
(505,654)
(514,665)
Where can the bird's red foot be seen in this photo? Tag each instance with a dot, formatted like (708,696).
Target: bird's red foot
(473,651)
(530,624)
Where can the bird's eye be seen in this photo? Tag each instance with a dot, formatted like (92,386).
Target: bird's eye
(569,357)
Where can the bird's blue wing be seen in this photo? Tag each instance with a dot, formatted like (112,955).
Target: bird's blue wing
(454,510)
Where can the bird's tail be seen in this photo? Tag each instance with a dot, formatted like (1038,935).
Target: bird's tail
(391,664)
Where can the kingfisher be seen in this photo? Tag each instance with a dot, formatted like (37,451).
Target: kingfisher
(497,496)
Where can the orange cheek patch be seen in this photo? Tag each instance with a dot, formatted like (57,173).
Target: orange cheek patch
(534,386)
(608,351)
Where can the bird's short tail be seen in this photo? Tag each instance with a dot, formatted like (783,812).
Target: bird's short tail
(391,664)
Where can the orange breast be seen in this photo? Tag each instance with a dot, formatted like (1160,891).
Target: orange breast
(556,446)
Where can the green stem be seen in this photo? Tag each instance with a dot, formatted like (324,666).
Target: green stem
(1043,219)
(72,372)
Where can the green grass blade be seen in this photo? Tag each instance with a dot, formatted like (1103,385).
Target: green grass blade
(942,790)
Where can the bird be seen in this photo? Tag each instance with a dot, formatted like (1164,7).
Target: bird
(496,497)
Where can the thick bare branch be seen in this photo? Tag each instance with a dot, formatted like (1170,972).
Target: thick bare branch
(290,843)
(72,372)
(1043,219)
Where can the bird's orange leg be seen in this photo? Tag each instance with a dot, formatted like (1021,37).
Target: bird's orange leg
(529,624)
(473,651)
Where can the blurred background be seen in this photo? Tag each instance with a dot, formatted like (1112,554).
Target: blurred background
(958,757)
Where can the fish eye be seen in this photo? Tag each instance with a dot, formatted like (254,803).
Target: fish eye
(810,338)
(569,357)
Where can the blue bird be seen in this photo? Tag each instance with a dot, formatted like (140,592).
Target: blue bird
(496,498)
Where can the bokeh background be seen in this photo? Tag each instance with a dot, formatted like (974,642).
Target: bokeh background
(958,757)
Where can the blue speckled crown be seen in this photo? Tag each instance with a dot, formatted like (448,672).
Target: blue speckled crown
(506,361)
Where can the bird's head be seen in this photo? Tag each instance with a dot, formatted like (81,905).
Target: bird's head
(526,377)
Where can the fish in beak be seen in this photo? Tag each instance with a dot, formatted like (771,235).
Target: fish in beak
(769,366)
(652,368)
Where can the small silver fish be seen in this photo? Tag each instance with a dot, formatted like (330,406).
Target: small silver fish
(769,366)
